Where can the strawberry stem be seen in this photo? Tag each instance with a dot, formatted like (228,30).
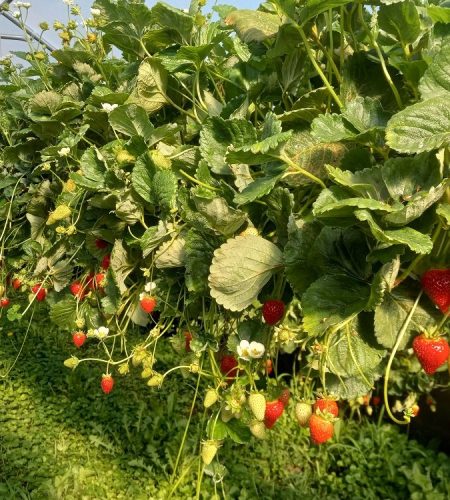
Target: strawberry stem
(391,359)
(180,450)
(442,323)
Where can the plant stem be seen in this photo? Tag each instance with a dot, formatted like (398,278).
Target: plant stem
(391,359)
(196,181)
(318,68)
(375,45)
(180,450)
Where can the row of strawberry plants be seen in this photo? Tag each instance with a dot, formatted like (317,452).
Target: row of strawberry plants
(275,181)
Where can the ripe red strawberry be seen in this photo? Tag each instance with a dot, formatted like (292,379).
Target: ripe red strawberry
(79,338)
(4,302)
(274,410)
(148,304)
(320,428)
(40,293)
(415,410)
(16,283)
(101,244)
(272,311)
(96,281)
(431,352)
(376,400)
(188,338)
(106,261)
(229,366)
(436,284)
(269,367)
(284,397)
(76,289)
(107,384)
(327,405)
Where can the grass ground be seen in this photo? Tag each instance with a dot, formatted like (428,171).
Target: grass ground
(62,438)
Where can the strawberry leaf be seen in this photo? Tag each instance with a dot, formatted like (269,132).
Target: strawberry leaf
(240,268)
(350,356)
(331,300)
(64,313)
(423,126)
(392,312)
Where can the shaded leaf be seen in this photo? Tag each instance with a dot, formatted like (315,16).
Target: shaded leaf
(331,300)
(416,241)
(391,314)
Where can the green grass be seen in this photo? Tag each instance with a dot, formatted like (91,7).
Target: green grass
(62,438)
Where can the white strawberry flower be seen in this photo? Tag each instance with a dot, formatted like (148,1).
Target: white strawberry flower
(101,332)
(243,350)
(68,2)
(64,151)
(95,12)
(250,350)
(150,286)
(108,107)
(256,350)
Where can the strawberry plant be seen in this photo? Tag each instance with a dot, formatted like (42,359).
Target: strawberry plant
(273,181)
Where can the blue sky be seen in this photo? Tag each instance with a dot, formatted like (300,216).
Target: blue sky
(51,10)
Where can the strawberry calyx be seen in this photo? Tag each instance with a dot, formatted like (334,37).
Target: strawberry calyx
(326,404)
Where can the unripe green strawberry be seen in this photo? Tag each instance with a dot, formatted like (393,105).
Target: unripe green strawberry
(257,403)
(209,450)
(258,429)
(139,355)
(303,412)
(71,362)
(210,398)
(61,212)
(123,369)
(124,157)
(156,380)
(147,372)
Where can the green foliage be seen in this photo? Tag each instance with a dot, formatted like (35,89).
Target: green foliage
(294,152)
(61,438)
